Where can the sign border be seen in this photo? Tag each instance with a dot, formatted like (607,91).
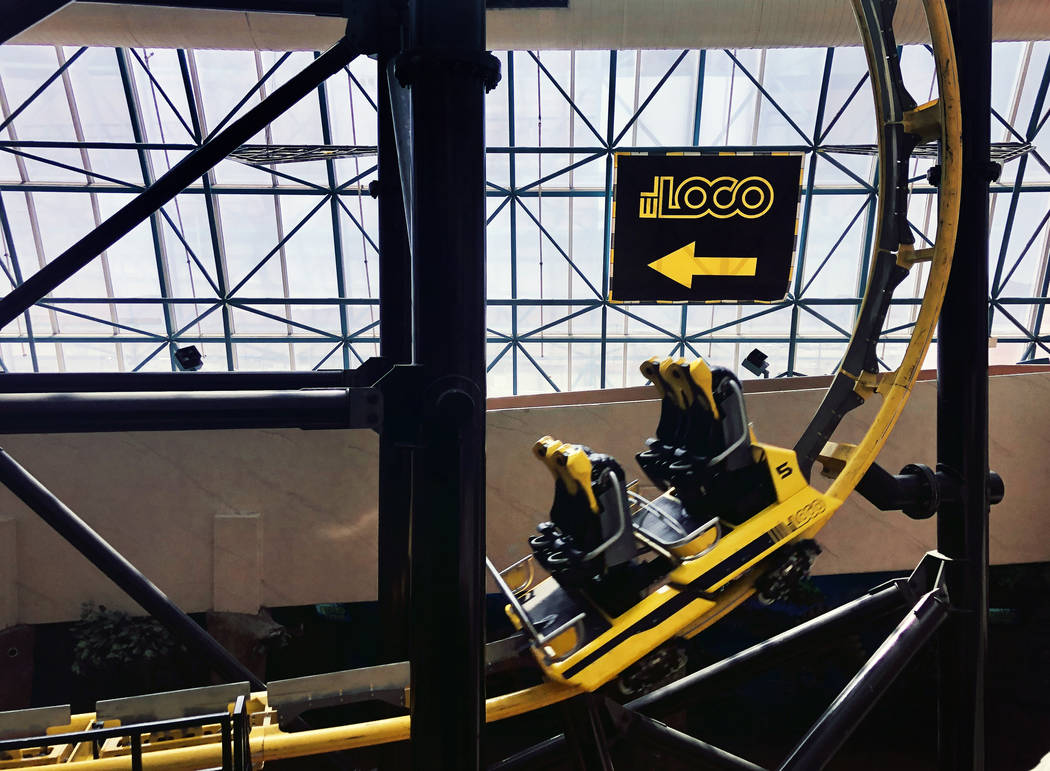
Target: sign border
(612,224)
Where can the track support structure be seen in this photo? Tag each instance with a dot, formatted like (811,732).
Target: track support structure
(446,71)
(962,411)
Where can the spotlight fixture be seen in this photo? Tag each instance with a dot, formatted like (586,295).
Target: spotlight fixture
(189,358)
(757,363)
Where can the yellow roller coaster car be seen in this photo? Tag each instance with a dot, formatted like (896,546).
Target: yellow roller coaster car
(628,574)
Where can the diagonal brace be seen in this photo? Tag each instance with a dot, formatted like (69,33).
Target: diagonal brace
(193,166)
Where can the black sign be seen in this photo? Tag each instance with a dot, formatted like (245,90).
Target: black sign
(704,227)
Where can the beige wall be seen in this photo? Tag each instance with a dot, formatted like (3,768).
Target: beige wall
(234,520)
(584,24)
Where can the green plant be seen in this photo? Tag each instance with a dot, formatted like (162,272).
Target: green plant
(107,640)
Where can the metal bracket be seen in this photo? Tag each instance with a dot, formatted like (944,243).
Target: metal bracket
(452,401)
(366,408)
(387,682)
(35,721)
(403,413)
(365,24)
(371,370)
(171,704)
(411,62)
(918,490)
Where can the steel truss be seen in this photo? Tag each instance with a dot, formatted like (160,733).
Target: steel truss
(925,596)
(538,339)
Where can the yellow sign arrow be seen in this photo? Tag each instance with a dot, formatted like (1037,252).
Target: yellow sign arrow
(681,265)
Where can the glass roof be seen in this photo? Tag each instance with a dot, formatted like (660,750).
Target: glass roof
(268,265)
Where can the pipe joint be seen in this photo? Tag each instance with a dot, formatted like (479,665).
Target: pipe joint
(454,401)
(412,63)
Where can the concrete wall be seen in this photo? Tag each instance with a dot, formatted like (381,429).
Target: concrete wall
(234,520)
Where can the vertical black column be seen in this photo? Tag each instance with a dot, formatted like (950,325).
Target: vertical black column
(962,410)
(395,344)
(443,67)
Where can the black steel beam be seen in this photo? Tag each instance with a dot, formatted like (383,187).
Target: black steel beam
(539,755)
(183,411)
(197,163)
(122,382)
(395,344)
(120,571)
(19,15)
(585,732)
(862,692)
(443,66)
(962,410)
(675,743)
(310,7)
(828,628)
(823,631)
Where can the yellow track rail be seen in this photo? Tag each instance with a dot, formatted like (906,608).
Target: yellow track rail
(895,392)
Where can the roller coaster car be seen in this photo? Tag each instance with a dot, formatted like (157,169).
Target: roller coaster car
(627,574)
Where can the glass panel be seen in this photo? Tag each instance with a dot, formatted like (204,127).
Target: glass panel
(64,218)
(789,77)
(263,356)
(849,114)
(557,111)
(542,367)
(498,263)
(669,116)
(164,110)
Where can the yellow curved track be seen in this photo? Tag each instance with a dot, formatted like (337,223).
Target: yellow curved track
(895,392)
(268,742)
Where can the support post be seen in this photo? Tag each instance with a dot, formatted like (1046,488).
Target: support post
(395,345)
(586,734)
(962,411)
(442,66)
(673,742)
(855,701)
(828,628)
(120,571)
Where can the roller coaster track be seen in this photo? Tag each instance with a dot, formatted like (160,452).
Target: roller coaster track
(254,721)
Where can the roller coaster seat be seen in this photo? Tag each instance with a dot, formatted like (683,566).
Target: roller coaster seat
(589,533)
(703,448)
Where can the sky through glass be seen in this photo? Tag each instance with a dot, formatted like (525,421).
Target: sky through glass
(275,266)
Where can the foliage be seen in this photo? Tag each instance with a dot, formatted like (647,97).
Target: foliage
(106,640)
